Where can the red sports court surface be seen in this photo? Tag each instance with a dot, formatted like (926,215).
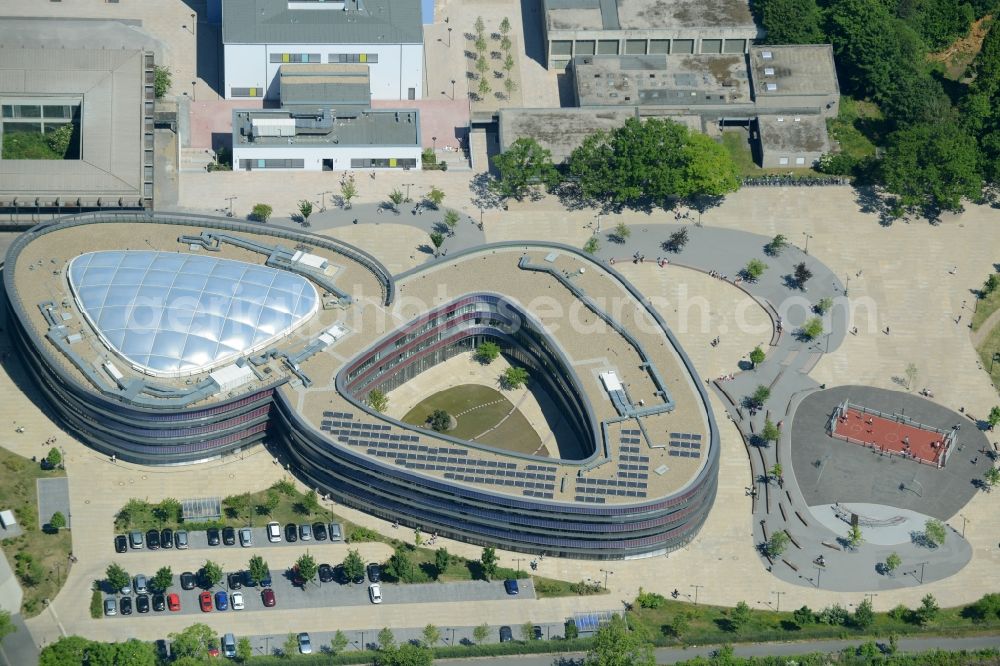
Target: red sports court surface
(890,435)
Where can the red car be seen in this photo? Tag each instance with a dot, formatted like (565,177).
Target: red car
(206,601)
(267,596)
(173,602)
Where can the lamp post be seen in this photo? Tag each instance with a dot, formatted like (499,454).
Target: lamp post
(267,645)
(847,285)
(481,228)
(519,560)
(194,26)
(435,140)
(453,628)
(322,201)
(407,190)
(871,596)
(449,37)
(453,90)
(808,236)
(193,83)
(696,588)
(777,606)
(964,521)
(230,200)
(606,574)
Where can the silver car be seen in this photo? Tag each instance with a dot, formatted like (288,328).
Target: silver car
(181,539)
(246,537)
(305,532)
(141,584)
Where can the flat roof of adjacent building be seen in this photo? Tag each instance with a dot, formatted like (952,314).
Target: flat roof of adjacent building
(343,128)
(646,14)
(802,134)
(312,22)
(334,85)
(674,80)
(559,130)
(801,69)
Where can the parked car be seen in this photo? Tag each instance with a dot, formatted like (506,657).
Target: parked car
(141,584)
(249,582)
(246,537)
(228,536)
(235,580)
(305,532)
(229,646)
(173,602)
(205,599)
(221,601)
(188,580)
(126,588)
(274,532)
(506,634)
(511,586)
(121,543)
(374,572)
(375,593)
(267,596)
(153,540)
(305,645)
(335,533)
(236,601)
(166,538)
(110,608)
(142,603)
(213,536)
(159,603)
(536,631)
(125,605)
(135,539)
(181,539)
(359,579)
(325,573)
(291,533)
(319,531)
(340,575)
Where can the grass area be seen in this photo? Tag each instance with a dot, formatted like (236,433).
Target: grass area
(985,307)
(477,409)
(857,128)
(40,558)
(56,144)
(989,347)
(737,144)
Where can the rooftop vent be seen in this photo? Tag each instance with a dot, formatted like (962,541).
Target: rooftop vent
(769,71)
(771,87)
(766,55)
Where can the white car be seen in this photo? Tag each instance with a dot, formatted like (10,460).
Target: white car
(236,601)
(273,532)
(375,593)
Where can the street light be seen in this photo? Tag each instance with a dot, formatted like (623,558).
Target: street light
(696,588)
(808,236)
(453,89)
(453,628)
(322,201)
(519,560)
(777,607)
(449,37)
(408,190)
(435,140)
(606,574)
(192,90)
(230,200)
(964,521)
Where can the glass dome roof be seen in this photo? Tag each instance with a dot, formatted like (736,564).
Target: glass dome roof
(170,314)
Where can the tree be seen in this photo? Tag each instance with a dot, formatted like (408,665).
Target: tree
(244,650)
(400,566)
(386,639)
(676,242)
(521,168)
(239,504)
(271,501)
(54,457)
(211,573)
(992,476)
(451,221)
(480,633)
(709,169)
(441,561)
(777,544)
(117,577)
(168,510)
(348,190)
(310,501)
(259,569)
(437,240)
(854,536)
(592,245)
(514,377)
(757,356)
(487,352)
(755,268)
(892,562)
(378,400)
(339,642)
(439,420)
(481,45)
(194,642)
(994,418)
(291,645)
(510,85)
(527,631)
(66,650)
(354,566)
(789,21)
(396,197)
(813,328)
(864,615)
(307,567)
(508,63)
(770,432)
(161,80)
(480,26)
(823,306)
(6,626)
(435,196)
(740,616)
(932,166)
(482,66)
(488,560)
(803,616)
(432,635)
(505,26)
(928,609)
(163,580)
(776,470)
(802,274)
(305,209)
(760,396)
(505,43)
(776,246)
(935,532)
(261,212)
(621,232)
(57,521)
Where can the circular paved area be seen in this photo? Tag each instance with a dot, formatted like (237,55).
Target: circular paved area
(831,470)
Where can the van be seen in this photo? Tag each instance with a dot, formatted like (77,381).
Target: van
(229,645)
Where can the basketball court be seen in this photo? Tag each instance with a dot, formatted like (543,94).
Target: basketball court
(891,434)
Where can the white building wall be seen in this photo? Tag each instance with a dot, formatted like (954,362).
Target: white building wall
(314,156)
(399,66)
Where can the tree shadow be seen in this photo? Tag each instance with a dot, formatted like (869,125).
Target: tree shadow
(788,625)
(725,624)
(483,195)
(921,540)
(425,248)
(870,201)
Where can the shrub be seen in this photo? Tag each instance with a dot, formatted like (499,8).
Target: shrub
(440,420)
(835,615)
(899,612)
(261,212)
(650,599)
(361,534)
(57,521)
(570,631)
(803,616)
(823,305)
(96,604)
(161,81)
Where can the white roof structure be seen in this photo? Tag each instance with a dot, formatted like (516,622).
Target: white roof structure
(611,381)
(232,377)
(171,314)
(7,518)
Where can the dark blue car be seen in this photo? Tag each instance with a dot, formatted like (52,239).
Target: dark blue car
(221,601)
(511,586)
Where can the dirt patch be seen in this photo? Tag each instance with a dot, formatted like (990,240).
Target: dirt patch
(962,52)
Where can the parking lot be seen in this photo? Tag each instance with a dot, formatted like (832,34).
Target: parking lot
(198,539)
(323,595)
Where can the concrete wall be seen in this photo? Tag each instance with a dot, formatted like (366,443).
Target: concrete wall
(314,156)
(399,67)
(640,42)
(772,159)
